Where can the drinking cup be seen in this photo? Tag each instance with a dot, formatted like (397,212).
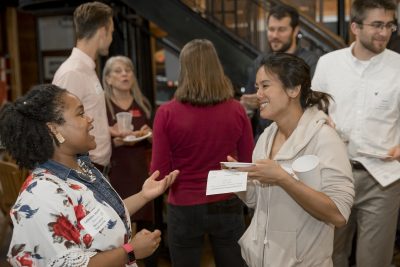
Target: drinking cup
(124,121)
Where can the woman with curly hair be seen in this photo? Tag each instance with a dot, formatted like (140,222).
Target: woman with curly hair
(67,214)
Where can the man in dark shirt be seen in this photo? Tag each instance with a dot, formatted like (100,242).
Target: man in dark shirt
(283,28)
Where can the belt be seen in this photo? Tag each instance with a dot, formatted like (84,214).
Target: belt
(357,165)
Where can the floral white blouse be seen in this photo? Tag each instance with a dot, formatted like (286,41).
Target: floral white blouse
(60,221)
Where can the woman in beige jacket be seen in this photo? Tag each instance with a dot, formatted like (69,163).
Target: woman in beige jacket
(293,223)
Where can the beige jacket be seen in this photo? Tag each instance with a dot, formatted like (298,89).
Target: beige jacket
(282,233)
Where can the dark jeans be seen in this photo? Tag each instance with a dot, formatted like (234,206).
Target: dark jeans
(223,222)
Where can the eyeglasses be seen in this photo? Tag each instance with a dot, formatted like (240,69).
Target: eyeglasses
(378,26)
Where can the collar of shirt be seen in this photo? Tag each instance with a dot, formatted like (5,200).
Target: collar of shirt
(77,53)
(299,50)
(363,64)
(60,170)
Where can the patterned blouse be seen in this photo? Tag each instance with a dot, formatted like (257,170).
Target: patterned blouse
(62,218)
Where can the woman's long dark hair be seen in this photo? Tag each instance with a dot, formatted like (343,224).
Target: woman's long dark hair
(23,124)
(293,71)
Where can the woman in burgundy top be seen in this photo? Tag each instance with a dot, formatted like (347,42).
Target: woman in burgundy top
(193,133)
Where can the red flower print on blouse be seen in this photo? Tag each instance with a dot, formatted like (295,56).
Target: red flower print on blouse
(25,260)
(65,229)
(26,183)
(80,213)
(27,256)
(87,240)
(75,186)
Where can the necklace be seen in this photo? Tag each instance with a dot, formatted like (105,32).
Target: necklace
(85,173)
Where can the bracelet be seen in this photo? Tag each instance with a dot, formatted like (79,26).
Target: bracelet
(129,251)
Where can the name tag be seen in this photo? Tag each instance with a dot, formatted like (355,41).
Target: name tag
(95,221)
(136,113)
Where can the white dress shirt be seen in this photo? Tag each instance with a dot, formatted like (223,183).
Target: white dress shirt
(366,98)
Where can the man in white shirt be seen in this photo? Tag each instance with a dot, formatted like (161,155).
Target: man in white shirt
(93,27)
(364,81)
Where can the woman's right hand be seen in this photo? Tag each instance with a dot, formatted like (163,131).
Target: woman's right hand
(114,132)
(145,243)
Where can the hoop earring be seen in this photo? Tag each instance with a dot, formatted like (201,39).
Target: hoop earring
(60,138)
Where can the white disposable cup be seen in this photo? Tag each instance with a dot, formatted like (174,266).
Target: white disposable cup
(308,171)
(124,121)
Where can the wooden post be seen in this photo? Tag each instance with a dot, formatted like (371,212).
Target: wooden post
(13,49)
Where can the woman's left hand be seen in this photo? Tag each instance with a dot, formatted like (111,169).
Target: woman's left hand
(146,129)
(152,187)
(266,171)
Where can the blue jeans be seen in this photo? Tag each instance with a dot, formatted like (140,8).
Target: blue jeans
(223,221)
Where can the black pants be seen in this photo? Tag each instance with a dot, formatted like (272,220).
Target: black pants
(223,222)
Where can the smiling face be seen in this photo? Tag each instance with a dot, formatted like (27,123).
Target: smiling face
(369,40)
(76,128)
(281,35)
(271,94)
(120,76)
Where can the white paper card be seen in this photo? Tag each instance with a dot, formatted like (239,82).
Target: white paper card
(95,221)
(226,181)
(236,164)
(374,154)
(385,172)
